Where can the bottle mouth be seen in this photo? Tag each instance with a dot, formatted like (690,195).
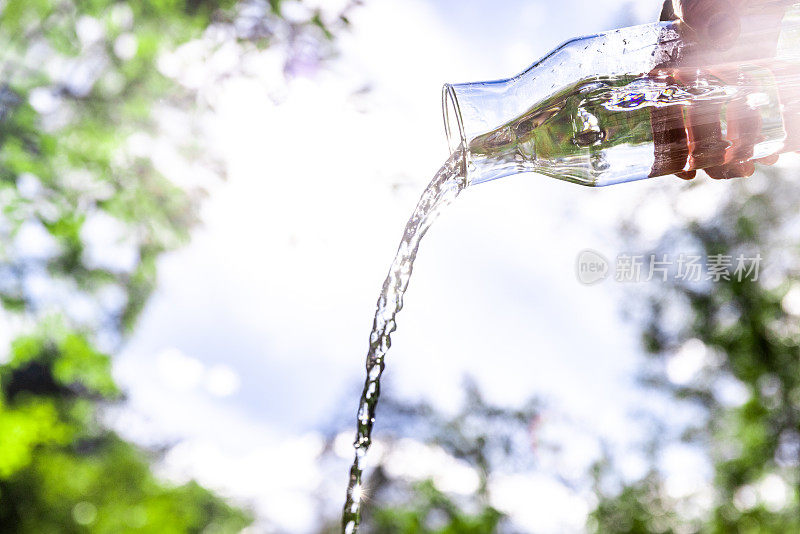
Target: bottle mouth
(453,122)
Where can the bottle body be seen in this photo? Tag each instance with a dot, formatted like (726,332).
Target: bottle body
(610,108)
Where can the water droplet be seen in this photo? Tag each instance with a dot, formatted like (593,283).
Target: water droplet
(443,189)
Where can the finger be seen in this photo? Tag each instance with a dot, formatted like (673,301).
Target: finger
(787,74)
(667,11)
(743,127)
(743,130)
(704,132)
(670,146)
(769,160)
(715,22)
(731,170)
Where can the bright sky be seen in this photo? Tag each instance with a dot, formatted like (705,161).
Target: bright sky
(256,337)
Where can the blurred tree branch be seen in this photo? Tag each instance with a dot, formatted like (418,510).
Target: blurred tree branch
(85,213)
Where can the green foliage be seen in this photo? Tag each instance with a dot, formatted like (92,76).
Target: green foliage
(73,148)
(751,339)
(488,437)
(24,428)
(80,85)
(433,512)
(482,437)
(639,508)
(109,489)
(62,471)
(70,357)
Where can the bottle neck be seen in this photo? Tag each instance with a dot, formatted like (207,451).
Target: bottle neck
(471,110)
(474,111)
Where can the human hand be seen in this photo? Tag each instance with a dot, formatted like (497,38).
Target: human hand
(720,35)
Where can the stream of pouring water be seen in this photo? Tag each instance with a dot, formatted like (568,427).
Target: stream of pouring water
(443,189)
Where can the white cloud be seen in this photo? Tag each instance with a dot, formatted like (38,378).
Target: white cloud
(222,381)
(791,301)
(125,46)
(539,503)
(774,492)
(33,240)
(292,253)
(413,460)
(687,470)
(684,365)
(107,244)
(179,370)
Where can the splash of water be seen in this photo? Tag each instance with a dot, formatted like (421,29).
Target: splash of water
(443,189)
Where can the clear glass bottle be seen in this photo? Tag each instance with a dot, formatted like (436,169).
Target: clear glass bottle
(630,104)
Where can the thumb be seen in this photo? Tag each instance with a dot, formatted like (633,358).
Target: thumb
(715,22)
